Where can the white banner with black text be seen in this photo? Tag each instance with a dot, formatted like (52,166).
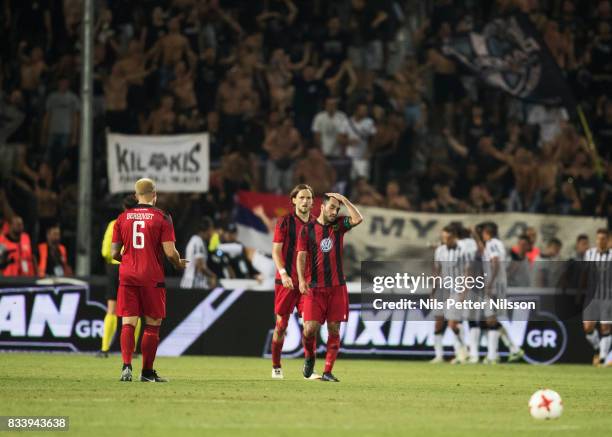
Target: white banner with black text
(177,163)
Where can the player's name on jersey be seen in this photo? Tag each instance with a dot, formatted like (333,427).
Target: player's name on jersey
(440,304)
(139,216)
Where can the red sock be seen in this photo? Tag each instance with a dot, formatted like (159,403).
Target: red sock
(277,348)
(127,343)
(148,346)
(333,344)
(309,345)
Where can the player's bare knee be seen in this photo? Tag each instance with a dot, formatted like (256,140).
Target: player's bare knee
(153,322)
(333,328)
(281,326)
(131,320)
(310,328)
(605,328)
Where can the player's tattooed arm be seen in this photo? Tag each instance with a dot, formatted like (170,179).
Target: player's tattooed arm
(301,269)
(355,216)
(116,251)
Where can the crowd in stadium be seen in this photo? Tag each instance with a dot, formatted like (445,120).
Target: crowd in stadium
(352,96)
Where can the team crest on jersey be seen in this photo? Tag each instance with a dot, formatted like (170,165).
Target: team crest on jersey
(326,244)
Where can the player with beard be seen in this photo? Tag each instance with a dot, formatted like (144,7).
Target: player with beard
(321,278)
(284,252)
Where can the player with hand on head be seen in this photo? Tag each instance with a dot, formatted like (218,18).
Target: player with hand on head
(321,278)
(141,237)
(284,253)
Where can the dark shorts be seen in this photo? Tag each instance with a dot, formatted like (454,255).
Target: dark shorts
(112,281)
(286,299)
(141,301)
(329,304)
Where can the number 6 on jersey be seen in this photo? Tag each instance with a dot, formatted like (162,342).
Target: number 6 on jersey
(138,237)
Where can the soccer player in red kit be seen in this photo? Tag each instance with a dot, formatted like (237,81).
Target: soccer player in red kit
(321,279)
(284,252)
(141,236)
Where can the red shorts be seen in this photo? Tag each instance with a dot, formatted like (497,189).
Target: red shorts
(141,301)
(286,299)
(326,304)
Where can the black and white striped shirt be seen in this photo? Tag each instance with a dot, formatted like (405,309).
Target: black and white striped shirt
(494,249)
(451,261)
(600,273)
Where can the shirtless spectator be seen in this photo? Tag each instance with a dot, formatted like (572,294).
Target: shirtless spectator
(163,119)
(170,49)
(284,146)
(443,201)
(183,88)
(526,194)
(33,66)
(480,199)
(116,86)
(279,78)
(190,121)
(133,65)
(315,170)
(394,199)
(234,88)
(365,194)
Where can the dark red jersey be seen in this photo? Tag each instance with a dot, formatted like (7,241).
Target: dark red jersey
(287,231)
(141,230)
(323,245)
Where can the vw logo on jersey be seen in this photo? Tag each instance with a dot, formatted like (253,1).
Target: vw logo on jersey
(326,244)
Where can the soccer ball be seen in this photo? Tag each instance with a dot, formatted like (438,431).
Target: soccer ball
(545,404)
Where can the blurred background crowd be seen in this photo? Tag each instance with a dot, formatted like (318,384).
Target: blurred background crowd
(353,96)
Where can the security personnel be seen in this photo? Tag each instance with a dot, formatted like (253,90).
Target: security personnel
(52,255)
(19,248)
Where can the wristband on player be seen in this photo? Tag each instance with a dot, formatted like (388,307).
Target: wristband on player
(282,271)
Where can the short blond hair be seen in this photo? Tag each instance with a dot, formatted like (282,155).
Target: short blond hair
(144,187)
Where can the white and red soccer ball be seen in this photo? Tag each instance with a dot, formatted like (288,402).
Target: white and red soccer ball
(545,404)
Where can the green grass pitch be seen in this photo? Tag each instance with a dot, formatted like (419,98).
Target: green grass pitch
(235,396)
